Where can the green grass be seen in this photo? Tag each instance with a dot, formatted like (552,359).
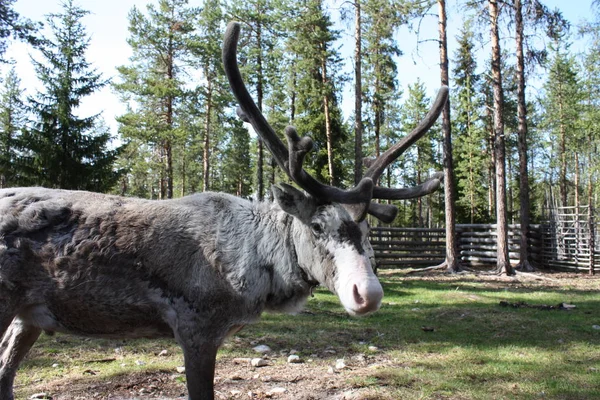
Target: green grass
(477,349)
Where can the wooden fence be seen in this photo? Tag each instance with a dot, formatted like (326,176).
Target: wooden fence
(404,247)
(570,239)
(400,247)
(550,246)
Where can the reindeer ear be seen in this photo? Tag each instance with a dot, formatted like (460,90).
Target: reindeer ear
(293,201)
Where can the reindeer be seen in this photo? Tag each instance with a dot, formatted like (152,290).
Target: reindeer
(197,268)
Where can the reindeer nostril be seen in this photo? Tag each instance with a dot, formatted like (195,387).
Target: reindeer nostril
(357,297)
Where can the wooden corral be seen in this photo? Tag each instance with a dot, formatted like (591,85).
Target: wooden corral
(558,244)
(414,247)
(570,239)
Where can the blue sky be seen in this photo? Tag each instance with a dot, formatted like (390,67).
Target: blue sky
(107,26)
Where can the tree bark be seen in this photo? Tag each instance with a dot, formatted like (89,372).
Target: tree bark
(503,262)
(169,119)
(259,98)
(591,220)
(524,212)
(358,126)
(328,133)
(207,133)
(452,262)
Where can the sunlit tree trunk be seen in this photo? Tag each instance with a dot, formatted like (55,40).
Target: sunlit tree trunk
(503,262)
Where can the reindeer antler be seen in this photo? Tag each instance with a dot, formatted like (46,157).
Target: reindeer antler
(358,199)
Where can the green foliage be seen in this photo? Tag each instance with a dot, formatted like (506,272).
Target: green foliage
(562,112)
(153,85)
(12,121)
(62,149)
(12,24)
(469,141)
(381,19)
(316,70)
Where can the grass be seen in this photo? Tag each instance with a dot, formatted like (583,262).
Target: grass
(437,338)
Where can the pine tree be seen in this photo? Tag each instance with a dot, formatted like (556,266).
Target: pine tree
(503,263)
(380,21)
(316,72)
(12,121)
(264,66)
(451,262)
(161,41)
(63,149)
(213,92)
(590,121)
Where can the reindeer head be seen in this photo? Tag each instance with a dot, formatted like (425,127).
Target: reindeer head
(333,247)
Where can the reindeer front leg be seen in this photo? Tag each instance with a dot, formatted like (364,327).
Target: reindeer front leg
(199,339)
(200,370)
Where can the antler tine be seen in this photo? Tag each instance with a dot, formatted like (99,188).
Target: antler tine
(378,166)
(289,161)
(427,187)
(298,148)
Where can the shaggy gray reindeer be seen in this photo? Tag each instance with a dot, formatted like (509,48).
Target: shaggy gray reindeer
(197,268)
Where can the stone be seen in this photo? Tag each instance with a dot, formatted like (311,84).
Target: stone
(294,359)
(259,362)
(181,370)
(261,348)
(40,395)
(340,364)
(277,390)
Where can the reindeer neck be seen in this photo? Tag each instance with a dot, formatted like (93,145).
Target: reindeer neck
(289,285)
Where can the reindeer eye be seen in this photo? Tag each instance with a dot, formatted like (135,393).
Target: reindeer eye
(317,228)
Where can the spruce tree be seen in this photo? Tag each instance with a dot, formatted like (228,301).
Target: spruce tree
(468,132)
(63,149)
(13,24)
(420,160)
(12,121)
(562,103)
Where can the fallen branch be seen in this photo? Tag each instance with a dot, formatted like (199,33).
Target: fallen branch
(522,304)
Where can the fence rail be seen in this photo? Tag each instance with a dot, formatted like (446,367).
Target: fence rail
(550,246)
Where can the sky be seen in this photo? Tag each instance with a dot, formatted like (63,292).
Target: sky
(107,26)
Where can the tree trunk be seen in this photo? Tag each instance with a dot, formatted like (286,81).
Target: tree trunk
(503,262)
(358,126)
(562,153)
(207,133)
(524,212)
(169,119)
(449,195)
(591,220)
(260,185)
(328,132)
(492,163)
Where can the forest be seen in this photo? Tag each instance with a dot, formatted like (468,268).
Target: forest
(503,146)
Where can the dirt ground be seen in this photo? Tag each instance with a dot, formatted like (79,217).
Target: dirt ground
(236,379)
